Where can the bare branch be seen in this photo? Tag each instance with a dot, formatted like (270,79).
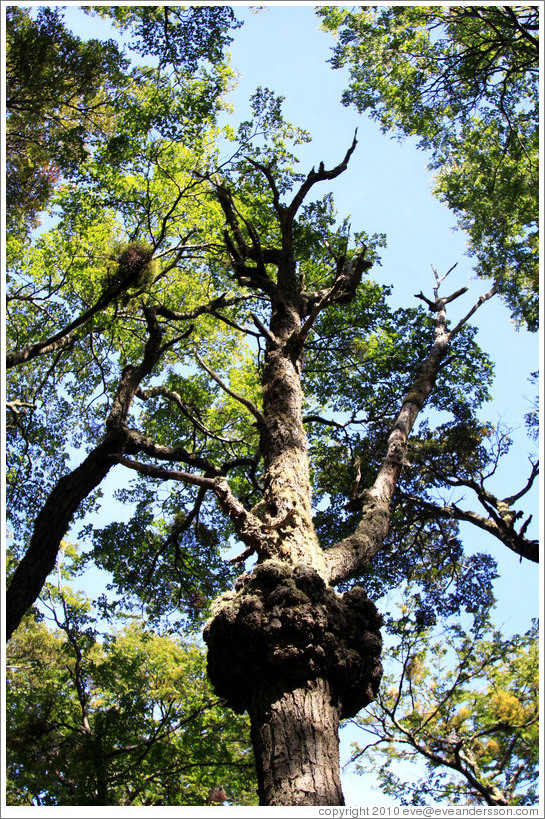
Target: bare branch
(171,453)
(512,498)
(349,555)
(272,183)
(317,176)
(494,525)
(249,528)
(164,474)
(215,304)
(265,330)
(342,291)
(481,300)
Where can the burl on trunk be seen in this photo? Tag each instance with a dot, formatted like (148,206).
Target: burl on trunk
(298,657)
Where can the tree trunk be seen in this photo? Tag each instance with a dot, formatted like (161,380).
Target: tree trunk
(299,657)
(283,645)
(296,744)
(67,495)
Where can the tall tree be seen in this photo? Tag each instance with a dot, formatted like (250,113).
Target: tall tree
(216,319)
(464,79)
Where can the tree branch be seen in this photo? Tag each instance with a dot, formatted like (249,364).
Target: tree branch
(343,290)
(348,556)
(288,214)
(249,528)
(514,540)
(240,398)
(66,496)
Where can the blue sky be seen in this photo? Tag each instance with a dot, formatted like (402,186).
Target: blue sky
(387,189)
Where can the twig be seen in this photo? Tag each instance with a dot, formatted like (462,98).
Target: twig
(244,401)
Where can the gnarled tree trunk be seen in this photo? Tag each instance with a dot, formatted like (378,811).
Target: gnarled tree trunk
(283,645)
(299,657)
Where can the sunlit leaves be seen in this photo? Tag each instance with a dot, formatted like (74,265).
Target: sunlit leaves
(464,702)
(125,719)
(58,102)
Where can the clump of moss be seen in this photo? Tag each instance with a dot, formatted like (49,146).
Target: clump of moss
(135,270)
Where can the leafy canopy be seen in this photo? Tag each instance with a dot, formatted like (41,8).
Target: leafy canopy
(464,79)
(123,717)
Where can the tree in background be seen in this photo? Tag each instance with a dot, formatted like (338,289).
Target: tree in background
(67,96)
(209,326)
(59,102)
(464,79)
(128,718)
(464,701)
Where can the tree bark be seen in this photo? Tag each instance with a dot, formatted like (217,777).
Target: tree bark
(299,657)
(296,743)
(52,524)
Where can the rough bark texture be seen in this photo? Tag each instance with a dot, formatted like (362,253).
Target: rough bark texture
(286,647)
(296,743)
(286,502)
(283,645)
(285,623)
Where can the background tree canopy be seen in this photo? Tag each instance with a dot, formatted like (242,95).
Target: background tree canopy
(188,312)
(464,80)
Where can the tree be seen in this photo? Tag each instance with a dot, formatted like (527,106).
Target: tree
(126,718)
(473,721)
(464,80)
(57,105)
(225,324)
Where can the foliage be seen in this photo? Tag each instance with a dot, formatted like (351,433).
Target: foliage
(126,718)
(464,80)
(68,99)
(463,701)
(58,103)
(116,193)
(175,35)
(140,334)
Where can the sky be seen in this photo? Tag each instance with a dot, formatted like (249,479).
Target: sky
(387,189)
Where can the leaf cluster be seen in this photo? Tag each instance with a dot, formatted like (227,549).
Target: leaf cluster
(463,701)
(463,80)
